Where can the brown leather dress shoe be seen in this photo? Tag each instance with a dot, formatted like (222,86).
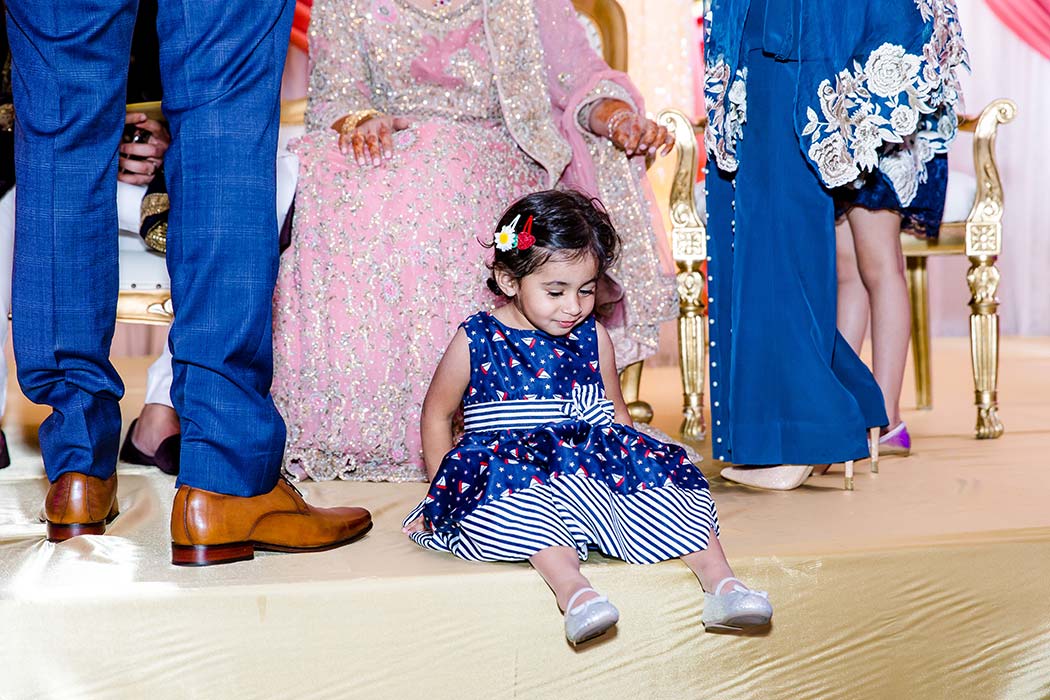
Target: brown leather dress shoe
(213,528)
(78,504)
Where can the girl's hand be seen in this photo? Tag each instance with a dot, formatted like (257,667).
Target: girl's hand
(372,140)
(417,525)
(629,130)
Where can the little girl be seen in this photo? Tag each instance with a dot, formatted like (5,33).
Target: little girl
(549,464)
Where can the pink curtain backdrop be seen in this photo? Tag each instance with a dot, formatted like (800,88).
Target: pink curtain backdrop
(1028,19)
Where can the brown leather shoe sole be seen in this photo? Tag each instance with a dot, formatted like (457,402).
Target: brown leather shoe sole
(211,554)
(60,532)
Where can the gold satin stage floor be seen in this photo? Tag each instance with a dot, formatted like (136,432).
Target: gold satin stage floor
(931,580)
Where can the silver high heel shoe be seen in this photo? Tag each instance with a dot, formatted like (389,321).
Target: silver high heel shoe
(738,609)
(590,619)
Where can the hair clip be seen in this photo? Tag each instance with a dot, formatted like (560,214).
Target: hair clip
(525,238)
(508,238)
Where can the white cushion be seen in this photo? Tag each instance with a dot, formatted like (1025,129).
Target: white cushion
(700,200)
(141,269)
(962,190)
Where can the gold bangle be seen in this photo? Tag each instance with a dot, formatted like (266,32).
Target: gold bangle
(354,119)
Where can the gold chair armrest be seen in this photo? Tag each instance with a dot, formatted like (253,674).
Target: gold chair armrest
(688,232)
(151,109)
(984,223)
(293,112)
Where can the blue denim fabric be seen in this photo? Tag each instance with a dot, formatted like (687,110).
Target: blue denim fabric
(221,64)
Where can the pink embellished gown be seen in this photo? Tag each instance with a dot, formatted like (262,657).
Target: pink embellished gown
(385,261)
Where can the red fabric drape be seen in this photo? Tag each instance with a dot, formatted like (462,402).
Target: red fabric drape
(1028,19)
(300,23)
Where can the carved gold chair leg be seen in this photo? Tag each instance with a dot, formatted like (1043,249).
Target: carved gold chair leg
(692,349)
(630,383)
(873,449)
(918,292)
(689,247)
(983,278)
(984,241)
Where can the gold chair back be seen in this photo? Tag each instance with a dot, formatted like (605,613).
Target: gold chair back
(979,237)
(606,26)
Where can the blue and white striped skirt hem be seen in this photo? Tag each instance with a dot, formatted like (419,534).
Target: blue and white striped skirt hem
(573,511)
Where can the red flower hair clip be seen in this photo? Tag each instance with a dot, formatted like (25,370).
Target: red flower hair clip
(525,238)
(508,237)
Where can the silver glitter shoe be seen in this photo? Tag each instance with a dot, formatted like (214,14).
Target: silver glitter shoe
(739,609)
(590,619)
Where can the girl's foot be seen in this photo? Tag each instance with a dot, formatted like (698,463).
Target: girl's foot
(588,619)
(782,478)
(735,607)
(896,441)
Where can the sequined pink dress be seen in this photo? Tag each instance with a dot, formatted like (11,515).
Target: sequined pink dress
(385,261)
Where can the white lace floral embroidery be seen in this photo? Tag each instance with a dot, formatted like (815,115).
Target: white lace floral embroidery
(725,95)
(894,112)
(925,9)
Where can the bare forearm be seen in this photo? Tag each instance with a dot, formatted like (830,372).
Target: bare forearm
(437,441)
(602,111)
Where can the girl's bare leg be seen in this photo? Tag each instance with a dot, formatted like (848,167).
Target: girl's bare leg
(852,319)
(876,238)
(709,565)
(560,568)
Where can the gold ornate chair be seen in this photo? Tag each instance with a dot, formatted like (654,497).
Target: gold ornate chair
(689,248)
(979,237)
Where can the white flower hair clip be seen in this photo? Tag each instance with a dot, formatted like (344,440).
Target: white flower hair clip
(508,238)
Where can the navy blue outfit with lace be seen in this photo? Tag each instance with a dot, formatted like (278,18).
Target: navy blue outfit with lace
(542,464)
(809,102)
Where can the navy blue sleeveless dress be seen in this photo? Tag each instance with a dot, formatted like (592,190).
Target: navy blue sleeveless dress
(542,464)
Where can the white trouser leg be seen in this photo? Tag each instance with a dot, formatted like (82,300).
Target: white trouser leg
(7,248)
(158,379)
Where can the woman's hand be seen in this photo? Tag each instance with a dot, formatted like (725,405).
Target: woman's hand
(629,130)
(372,140)
(141,158)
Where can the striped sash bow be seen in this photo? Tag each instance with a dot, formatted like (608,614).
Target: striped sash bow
(586,403)
(589,403)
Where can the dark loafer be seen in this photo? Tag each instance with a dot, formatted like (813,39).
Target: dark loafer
(5,456)
(166,457)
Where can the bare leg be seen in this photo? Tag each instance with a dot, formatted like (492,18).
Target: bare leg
(560,568)
(852,318)
(156,423)
(710,565)
(876,237)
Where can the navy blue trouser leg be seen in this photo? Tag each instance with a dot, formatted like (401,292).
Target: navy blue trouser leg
(221,66)
(69,72)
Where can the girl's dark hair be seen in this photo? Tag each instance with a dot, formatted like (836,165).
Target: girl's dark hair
(566,223)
